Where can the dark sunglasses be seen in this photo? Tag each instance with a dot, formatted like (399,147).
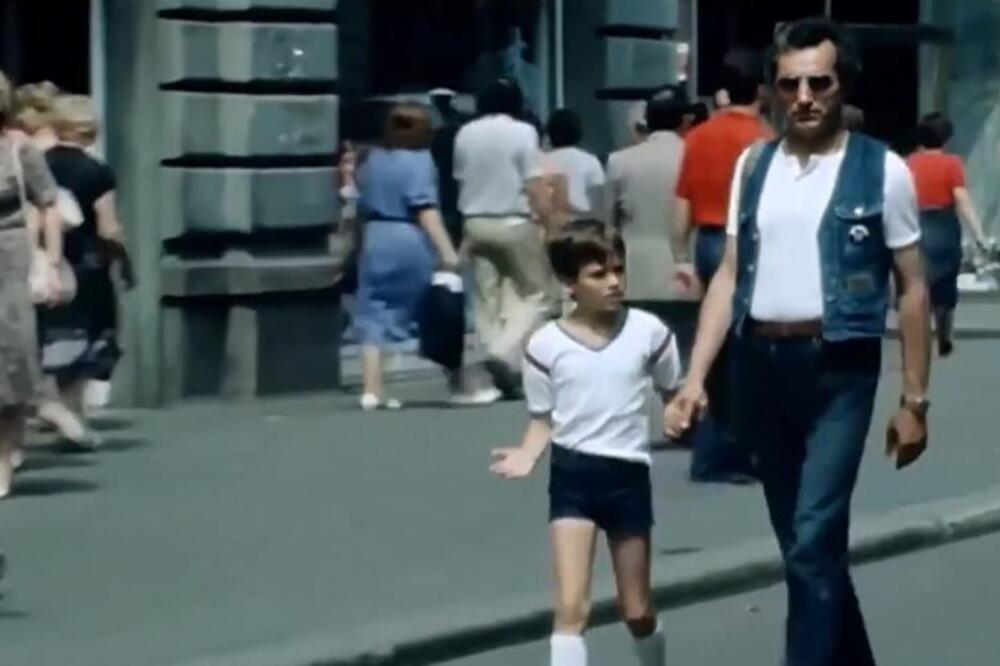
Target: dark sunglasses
(817,84)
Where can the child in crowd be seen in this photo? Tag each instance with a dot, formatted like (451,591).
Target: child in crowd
(587,382)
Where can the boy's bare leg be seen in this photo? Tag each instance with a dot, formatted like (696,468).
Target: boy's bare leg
(573,542)
(630,557)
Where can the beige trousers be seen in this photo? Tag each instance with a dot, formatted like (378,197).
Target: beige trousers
(513,294)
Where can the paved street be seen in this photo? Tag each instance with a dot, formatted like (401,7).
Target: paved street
(215,528)
(932,608)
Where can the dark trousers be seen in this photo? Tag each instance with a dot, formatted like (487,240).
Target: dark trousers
(718,454)
(806,407)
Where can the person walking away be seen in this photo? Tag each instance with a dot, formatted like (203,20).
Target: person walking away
(443,152)
(503,199)
(818,222)
(583,171)
(587,378)
(403,242)
(639,200)
(80,338)
(24,178)
(710,154)
(944,203)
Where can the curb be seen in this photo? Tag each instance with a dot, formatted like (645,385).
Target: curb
(453,633)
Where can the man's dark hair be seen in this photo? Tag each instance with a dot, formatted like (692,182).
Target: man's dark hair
(665,109)
(564,128)
(699,113)
(583,242)
(741,75)
(934,130)
(812,32)
(500,96)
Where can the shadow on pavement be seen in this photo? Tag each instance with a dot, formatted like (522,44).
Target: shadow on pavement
(49,487)
(110,423)
(679,550)
(120,444)
(38,463)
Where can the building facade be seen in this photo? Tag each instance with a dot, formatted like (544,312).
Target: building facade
(224,117)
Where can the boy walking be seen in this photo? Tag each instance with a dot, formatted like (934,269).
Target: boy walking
(587,380)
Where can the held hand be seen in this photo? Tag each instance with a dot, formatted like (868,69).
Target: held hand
(686,279)
(687,407)
(906,438)
(512,463)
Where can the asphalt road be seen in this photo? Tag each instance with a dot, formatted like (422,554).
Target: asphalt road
(215,528)
(931,608)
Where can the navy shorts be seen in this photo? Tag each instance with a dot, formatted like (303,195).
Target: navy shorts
(614,494)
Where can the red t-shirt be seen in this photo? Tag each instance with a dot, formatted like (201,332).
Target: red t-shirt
(935,176)
(710,154)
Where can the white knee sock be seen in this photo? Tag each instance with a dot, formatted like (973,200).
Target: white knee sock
(652,650)
(568,650)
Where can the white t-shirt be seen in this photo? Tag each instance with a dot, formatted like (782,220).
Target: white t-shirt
(598,399)
(583,172)
(788,284)
(494,156)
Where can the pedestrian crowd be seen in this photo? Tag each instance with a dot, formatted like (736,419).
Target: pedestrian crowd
(60,239)
(799,240)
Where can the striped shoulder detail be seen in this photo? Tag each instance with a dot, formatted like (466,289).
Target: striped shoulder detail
(536,364)
(660,350)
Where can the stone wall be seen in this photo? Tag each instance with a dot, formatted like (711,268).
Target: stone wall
(225,120)
(616,53)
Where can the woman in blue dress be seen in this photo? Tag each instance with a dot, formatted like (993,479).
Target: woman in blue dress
(403,242)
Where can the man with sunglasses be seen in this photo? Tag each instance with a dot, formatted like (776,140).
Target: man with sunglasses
(818,221)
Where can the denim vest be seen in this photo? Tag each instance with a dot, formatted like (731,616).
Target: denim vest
(854,259)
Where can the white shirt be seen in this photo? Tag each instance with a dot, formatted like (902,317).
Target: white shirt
(583,172)
(788,284)
(598,399)
(494,157)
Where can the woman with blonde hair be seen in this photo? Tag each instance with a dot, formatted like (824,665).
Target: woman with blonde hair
(33,119)
(79,338)
(24,179)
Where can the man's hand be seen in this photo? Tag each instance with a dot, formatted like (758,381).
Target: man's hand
(686,279)
(512,463)
(906,439)
(687,407)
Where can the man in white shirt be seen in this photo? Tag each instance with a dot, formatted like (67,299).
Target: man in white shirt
(817,222)
(583,171)
(501,194)
(639,199)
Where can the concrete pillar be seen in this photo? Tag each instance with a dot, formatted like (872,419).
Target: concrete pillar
(621,51)
(133,119)
(222,123)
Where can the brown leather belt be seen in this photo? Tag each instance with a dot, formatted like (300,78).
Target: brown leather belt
(811,328)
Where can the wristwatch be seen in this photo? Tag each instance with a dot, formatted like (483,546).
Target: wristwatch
(916,405)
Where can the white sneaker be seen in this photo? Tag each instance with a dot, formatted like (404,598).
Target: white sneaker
(484,396)
(371,402)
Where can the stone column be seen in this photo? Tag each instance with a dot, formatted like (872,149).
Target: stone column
(616,53)
(247,125)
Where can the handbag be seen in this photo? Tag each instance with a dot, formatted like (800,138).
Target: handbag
(441,321)
(40,270)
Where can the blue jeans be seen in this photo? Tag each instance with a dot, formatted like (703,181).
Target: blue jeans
(709,248)
(718,455)
(806,407)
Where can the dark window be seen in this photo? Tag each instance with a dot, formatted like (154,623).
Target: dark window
(46,40)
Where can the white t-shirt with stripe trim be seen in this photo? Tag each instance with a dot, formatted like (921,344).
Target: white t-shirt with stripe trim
(598,399)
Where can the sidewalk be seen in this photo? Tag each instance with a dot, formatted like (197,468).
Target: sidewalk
(220,531)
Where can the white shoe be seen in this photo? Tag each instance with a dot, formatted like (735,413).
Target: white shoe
(371,402)
(484,396)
